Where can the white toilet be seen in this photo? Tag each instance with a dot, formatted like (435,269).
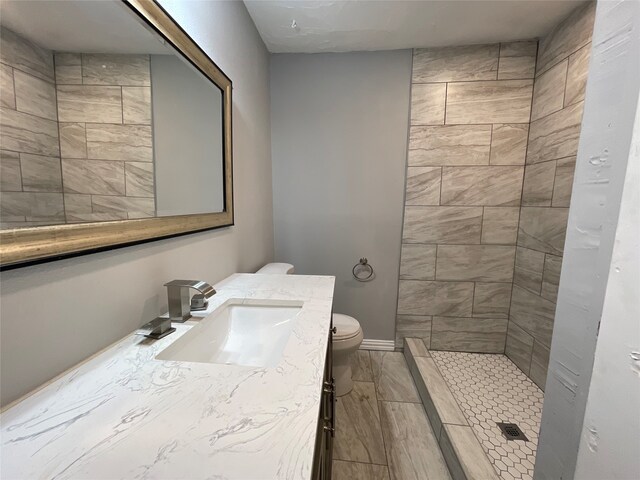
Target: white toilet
(347,336)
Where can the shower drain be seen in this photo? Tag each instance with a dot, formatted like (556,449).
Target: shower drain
(511,431)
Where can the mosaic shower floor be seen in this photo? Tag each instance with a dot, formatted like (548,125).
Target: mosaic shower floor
(490,388)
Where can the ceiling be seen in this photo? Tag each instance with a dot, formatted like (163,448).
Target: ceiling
(104,26)
(305,26)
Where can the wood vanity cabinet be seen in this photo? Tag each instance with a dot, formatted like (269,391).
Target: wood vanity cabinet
(326,423)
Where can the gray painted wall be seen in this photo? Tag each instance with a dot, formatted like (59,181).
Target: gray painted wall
(187,138)
(603,155)
(339,126)
(56,314)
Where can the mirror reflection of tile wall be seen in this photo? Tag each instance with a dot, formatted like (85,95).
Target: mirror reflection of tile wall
(76,136)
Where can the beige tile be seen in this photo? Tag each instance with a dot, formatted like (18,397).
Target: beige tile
(533,314)
(548,92)
(68,74)
(423,186)
(449,145)
(392,378)
(40,174)
(358,471)
(570,35)
(442,224)
(21,132)
(113,203)
(519,347)
(464,454)
(482,335)
(500,225)
(68,59)
(95,177)
(31,204)
(502,101)
(361,366)
(466,63)
(418,262)
(10,176)
(417,347)
(86,103)
(358,435)
(543,229)
(490,185)
(577,75)
(555,136)
(537,189)
(551,277)
(480,263)
(131,143)
(7,92)
(136,105)
(139,179)
(526,48)
(110,69)
(413,326)
(28,57)
(517,60)
(412,448)
(509,144)
(435,298)
(563,183)
(539,364)
(73,140)
(75,203)
(528,269)
(491,300)
(427,103)
(95,217)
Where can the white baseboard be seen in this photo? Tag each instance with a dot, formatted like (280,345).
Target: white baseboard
(372,344)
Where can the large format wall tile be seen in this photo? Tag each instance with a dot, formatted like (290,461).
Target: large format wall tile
(418,262)
(491,185)
(21,132)
(95,177)
(73,140)
(448,64)
(556,135)
(577,75)
(139,179)
(517,60)
(528,269)
(483,335)
(120,142)
(10,176)
(537,189)
(427,103)
(7,92)
(413,326)
(563,182)
(500,225)
(442,224)
(551,277)
(532,313)
(35,96)
(548,92)
(24,55)
(40,174)
(519,347)
(569,36)
(68,68)
(449,145)
(539,364)
(142,207)
(75,203)
(423,185)
(136,105)
(86,103)
(509,144)
(543,229)
(503,101)
(480,263)
(109,69)
(435,298)
(31,205)
(491,300)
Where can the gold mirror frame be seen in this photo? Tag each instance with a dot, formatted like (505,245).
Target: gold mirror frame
(24,246)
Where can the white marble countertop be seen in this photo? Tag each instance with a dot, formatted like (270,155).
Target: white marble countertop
(125,415)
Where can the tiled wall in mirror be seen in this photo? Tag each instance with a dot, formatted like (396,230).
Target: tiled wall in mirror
(100,120)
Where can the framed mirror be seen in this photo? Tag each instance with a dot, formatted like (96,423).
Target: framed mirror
(115,129)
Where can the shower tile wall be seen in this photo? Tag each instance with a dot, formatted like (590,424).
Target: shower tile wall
(470,111)
(558,98)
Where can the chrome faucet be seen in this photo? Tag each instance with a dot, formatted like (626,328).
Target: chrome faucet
(179,301)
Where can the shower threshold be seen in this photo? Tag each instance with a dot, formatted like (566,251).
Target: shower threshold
(466,397)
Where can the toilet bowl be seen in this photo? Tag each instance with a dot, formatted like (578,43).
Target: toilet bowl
(347,336)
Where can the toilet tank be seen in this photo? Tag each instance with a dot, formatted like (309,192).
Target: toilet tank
(277,269)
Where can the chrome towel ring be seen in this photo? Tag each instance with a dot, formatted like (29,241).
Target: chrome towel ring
(363,271)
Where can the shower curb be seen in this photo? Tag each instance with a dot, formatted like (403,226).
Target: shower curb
(461,449)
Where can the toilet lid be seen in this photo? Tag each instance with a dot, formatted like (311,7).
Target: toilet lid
(346,326)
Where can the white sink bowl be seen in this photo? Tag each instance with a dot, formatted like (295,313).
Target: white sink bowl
(238,333)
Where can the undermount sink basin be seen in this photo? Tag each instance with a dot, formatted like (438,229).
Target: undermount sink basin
(238,334)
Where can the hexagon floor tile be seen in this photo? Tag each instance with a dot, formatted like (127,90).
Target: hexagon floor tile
(490,388)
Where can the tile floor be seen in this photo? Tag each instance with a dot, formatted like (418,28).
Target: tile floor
(489,389)
(382,431)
